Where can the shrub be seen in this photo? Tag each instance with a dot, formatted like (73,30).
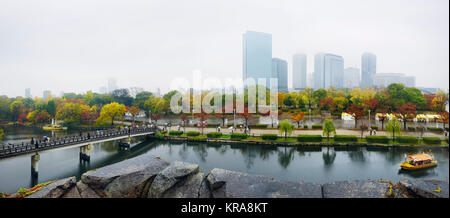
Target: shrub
(259,126)
(163,132)
(316,126)
(410,128)
(374,128)
(305,126)
(159,135)
(432,140)
(434,129)
(345,138)
(238,136)
(377,139)
(212,124)
(174,132)
(214,134)
(284,109)
(309,138)
(193,133)
(407,139)
(269,136)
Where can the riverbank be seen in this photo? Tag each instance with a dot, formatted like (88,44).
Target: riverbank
(150,176)
(294,141)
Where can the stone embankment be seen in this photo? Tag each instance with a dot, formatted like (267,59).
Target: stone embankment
(148,176)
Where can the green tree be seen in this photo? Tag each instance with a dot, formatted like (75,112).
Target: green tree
(285,127)
(140,99)
(88,98)
(51,108)
(393,127)
(69,113)
(328,128)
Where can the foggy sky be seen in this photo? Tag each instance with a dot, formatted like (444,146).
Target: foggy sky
(75,46)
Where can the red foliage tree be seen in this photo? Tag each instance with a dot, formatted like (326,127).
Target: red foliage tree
(22,118)
(357,112)
(408,111)
(326,104)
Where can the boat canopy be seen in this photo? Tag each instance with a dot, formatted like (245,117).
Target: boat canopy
(419,157)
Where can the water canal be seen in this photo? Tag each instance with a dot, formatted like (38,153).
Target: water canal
(285,163)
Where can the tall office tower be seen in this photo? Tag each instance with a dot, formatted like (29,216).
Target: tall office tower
(328,71)
(103,90)
(257,56)
(46,94)
(369,69)
(310,79)
(299,71)
(27,93)
(351,77)
(279,71)
(112,85)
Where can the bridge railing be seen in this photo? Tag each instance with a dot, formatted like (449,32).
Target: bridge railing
(26,147)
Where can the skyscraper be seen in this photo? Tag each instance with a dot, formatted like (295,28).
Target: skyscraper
(46,94)
(112,85)
(27,93)
(328,71)
(257,56)
(368,69)
(299,71)
(279,71)
(351,77)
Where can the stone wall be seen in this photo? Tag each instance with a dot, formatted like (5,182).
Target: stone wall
(148,176)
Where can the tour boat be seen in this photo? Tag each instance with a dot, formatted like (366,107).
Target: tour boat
(54,126)
(418,161)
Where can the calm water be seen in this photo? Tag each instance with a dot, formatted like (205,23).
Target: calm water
(284,163)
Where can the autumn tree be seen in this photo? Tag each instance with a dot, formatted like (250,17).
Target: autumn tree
(133,111)
(326,104)
(111,112)
(297,118)
(408,111)
(357,111)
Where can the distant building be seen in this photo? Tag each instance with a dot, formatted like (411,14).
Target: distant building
(103,90)
(112,85)
(368,69)
(257,56)
(428,90)
(351,77)
(47,94)
(385,79)
(28,93)
(299,71)
(310,79)
(279,71)
(328,71)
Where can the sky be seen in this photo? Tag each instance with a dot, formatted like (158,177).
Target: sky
(75,46)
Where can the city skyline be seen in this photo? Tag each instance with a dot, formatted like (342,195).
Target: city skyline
(72,48)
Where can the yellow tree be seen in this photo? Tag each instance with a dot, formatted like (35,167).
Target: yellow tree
(297,118)
(111,112)
(281,97)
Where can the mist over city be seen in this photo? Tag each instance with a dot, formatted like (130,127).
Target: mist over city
(76,46)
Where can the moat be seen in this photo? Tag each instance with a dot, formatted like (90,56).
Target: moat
(312,164)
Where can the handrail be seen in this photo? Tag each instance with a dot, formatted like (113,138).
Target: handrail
(7,150)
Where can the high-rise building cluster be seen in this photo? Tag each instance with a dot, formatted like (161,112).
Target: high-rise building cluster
(328,68)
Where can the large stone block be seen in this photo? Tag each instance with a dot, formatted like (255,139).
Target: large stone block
(127,179)
(355,189)
(424,188)
(229,184)
(55,189)
(178,180)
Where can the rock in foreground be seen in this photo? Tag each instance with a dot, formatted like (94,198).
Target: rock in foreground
(355,189)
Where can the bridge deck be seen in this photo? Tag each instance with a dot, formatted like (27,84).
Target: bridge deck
(12,150)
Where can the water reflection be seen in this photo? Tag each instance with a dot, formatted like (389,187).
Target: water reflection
(316,164)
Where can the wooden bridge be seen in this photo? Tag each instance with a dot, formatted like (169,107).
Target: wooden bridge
(83,140)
